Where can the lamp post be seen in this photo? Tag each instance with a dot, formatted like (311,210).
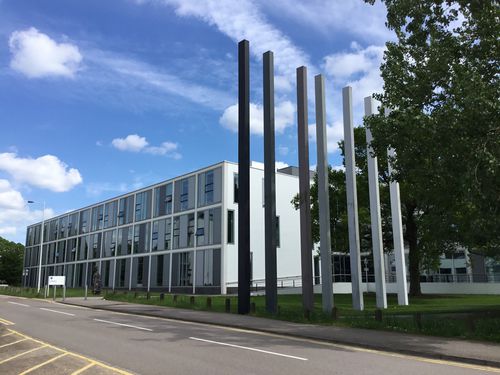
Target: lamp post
(41,247)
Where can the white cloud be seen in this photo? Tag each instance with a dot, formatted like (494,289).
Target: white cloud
(15,214)
(283,150)
(46,172)
(334,133)
(358,68)
(37,55)
(284,117)
(330,17)
(132,142)
(98,188)
(136,143)
(260,165)
(244,20)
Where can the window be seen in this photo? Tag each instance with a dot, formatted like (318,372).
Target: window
(182,269)
(109,243)
(124,241)
(73,225)
(236,187)
(72,249)
(140,272)
(163,200)
(125,210)
(97,218)
(160,268)
(209,187)
(110,213)
(208,226)
(277,231)
(63,224)
(184,194)
(162,231)
(84,221)
(122,273)
(143,205)
(208,267)
(61,252)
(53,229)
(95,246)
(230,226)
(183,231)
(141,238)
(83,251)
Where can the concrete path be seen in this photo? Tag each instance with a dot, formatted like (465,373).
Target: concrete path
(480,353)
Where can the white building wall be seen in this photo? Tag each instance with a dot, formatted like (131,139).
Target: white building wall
(288,254)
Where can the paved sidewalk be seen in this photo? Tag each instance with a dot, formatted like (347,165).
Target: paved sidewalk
(425,346)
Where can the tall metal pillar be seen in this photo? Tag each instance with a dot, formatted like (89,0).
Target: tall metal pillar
(397,233)
(305,199)
(352,200)
(270,185)
(244,178)
(323,196)
(376,222)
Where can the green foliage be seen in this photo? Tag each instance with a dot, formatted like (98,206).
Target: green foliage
(11,262)
(441,78)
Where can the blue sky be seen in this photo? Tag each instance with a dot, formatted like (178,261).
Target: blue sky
(98,98)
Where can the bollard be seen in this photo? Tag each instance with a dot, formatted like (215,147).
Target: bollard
(162,296)
(135,295)
(279,310)
(378,315)
(209,302)
(228,305)
(86,290)
(175,298)
(418,320)
(191,300)
(252,308)
(335,313)
(148,295)
(307,314)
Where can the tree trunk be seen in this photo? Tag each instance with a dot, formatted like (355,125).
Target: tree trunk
(411,235)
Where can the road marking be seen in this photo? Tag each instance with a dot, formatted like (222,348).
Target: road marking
(83,369)
(43,363)
(247,348)
(17,303)
(11,343)
(6,322)
(23,353)
(124,325)
(47,345)
(55,311)
(7,334)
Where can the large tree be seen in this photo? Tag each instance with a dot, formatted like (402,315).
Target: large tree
(11,262)
(441,81)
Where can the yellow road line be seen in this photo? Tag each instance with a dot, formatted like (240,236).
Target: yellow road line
(23,353)
(11,343)
(97,363)
(43,363)
(7,334)
(6,322)
(83,369)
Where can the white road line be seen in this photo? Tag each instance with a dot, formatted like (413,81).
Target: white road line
(124,325)
(247,348)
(55,311)
(17,303)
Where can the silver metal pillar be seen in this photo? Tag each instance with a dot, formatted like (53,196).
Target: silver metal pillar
(304,192)
(397,233)
(376,222)
(323,196)
(352,200)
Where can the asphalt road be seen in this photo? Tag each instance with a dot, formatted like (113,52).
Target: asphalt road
(146,345)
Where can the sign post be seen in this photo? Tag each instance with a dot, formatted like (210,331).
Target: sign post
(55,281)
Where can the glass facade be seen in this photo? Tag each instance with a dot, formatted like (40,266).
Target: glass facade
(142,240)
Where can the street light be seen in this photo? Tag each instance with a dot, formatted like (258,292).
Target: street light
(41,246)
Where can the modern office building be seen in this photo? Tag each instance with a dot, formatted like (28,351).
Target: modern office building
(177,236)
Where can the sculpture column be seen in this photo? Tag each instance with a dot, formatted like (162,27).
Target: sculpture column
(243,178)
(375,219)
(304,187)
(270,186)
(352,200)
(323,196)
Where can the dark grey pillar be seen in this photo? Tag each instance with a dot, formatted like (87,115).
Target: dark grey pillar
(270,185)
(305,199)
(323,196)
(244,178)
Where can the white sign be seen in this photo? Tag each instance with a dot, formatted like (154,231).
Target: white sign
(57,280)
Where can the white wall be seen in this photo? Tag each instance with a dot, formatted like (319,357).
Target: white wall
(288,254)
